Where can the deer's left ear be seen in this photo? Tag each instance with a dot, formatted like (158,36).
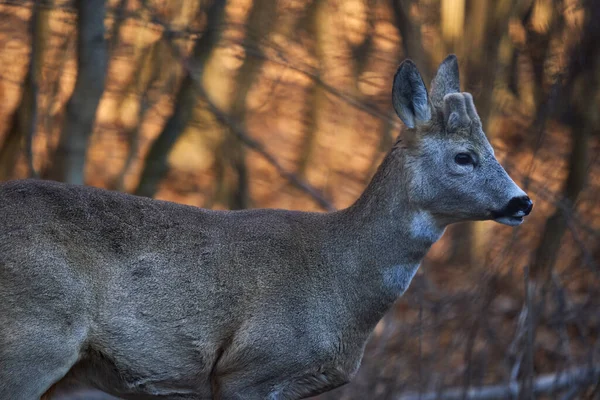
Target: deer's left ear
(446,80)
(409,95)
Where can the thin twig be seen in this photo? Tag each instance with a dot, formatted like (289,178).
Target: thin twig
(328,88)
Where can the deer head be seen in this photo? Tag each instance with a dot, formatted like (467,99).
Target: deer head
(453,173)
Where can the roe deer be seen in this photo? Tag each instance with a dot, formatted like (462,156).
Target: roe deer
(149,299)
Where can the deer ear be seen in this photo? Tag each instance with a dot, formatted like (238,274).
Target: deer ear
(409,95)
(446,80)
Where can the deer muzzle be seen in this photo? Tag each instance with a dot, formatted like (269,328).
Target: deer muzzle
(514,212)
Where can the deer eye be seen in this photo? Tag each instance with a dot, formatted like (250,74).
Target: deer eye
(464,159)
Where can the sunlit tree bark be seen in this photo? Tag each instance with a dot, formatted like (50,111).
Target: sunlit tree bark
(11,148)
(156,165)
(28,113)
(22,130)
(261,21)
(151,67)
(453,20)
(362,50)
(315,98)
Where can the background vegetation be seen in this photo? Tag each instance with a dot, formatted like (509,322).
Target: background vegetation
(286,103)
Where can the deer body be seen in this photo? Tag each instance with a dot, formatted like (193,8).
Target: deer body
(149,299)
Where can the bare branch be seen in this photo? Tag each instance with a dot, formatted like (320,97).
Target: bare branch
(544,384)
(259,148)
(244,137)
(328,88)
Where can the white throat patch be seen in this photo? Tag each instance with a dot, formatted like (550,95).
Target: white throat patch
(398,277)
(424,228)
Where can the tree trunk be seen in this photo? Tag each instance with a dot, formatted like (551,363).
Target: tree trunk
(578,112)
(11,149)
(259,25)
(25,119)
(28,113)
(453,20)
(479,77)
(69,160)
(315,97)
(410,32)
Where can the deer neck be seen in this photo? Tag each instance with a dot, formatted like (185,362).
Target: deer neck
(387,235)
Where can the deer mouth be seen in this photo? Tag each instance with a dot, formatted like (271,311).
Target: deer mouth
(510,220)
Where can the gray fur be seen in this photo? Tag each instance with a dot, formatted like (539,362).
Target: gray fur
(150,299)
(445,81)
(409,95)
(455,112)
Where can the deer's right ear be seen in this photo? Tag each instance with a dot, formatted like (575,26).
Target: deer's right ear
(409,95)
(446,81)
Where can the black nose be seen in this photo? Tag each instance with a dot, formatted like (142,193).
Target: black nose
(516,205)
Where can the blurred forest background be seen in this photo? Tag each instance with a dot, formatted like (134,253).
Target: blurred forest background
(286,103)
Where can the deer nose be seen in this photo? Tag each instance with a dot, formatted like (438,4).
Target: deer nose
(519,206)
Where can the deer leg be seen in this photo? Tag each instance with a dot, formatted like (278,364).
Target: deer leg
(311,384)
(32,360)
(40,339)
(43,323)
(240,386)
(299,387)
